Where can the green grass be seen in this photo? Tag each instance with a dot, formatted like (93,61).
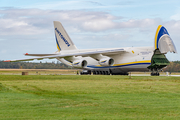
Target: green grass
(89,97)
(38,71)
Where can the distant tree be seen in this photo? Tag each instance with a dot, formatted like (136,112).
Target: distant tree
(29,65)
(174,66)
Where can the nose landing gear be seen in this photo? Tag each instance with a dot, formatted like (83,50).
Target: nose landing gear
(158,61)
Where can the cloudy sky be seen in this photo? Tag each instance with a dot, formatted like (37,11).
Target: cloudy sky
(26,26)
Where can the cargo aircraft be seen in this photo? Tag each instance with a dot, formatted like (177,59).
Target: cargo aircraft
(115,61)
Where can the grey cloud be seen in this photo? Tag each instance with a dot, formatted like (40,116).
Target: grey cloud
(36,21)
(36,25)
(173,25)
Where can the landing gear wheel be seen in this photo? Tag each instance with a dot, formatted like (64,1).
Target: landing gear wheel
(155,74)
(152,74)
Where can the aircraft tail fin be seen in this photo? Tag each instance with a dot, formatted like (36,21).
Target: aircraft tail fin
(63,40)
(163,41)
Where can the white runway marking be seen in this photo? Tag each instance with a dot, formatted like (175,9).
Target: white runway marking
(175,75)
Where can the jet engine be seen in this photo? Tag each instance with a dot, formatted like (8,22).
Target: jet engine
(107,61)
(79,63)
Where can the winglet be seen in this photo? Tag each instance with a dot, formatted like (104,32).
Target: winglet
(7,61)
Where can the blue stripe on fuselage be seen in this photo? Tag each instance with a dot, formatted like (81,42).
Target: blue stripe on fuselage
(92,66)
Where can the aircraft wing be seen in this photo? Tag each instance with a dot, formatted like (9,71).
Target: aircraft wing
(83,54)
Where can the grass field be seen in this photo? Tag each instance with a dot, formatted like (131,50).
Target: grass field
(89,97)
(38,71)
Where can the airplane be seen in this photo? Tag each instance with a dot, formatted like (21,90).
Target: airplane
(114,61)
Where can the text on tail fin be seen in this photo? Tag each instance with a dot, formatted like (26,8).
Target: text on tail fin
(62,37)
(63,40)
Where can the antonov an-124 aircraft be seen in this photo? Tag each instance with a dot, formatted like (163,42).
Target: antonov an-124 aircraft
(115,61)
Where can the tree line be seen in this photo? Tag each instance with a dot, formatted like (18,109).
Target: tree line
(174,66)
(30,65)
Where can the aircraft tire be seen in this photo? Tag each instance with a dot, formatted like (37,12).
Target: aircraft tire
(155,74)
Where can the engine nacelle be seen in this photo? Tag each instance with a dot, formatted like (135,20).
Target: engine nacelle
(106,61)
(79,63)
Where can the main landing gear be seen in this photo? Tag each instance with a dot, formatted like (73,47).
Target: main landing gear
(155,72)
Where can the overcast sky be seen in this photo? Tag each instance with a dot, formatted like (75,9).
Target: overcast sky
(26,26)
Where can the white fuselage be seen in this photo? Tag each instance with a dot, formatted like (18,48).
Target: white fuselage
(134,59)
